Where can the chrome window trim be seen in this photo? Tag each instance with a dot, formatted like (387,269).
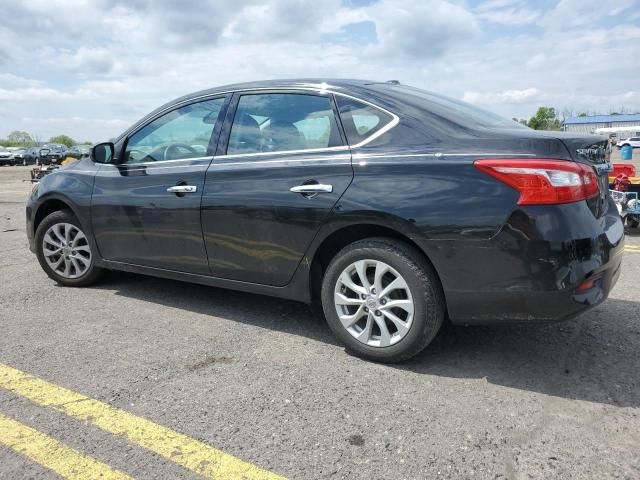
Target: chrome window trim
(394,121)
(192,159)
(280,152)
(357,156)
(394,118)
(333,159)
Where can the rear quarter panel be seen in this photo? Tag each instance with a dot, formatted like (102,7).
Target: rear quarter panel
(441,202)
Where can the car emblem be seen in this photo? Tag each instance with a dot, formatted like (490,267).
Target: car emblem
(372,302)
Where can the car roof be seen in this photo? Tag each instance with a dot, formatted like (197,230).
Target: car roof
(321,83)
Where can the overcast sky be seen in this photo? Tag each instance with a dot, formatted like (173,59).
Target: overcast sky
(90,68)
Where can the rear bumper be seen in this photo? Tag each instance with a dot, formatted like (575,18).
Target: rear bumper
(534,269)
(473,308)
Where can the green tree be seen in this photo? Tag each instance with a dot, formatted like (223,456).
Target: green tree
(18,139)
(21,138)
(545,119)
(63,139)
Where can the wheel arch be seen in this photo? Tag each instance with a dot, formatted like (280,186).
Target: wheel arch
(49,206)
(341,237)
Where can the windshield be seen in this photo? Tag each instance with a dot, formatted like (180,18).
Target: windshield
(463,112)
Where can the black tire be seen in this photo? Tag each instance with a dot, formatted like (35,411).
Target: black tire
(423,283)
(632,221)
(90,276)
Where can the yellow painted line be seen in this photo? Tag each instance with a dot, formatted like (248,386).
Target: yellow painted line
(176,447)
(50,453)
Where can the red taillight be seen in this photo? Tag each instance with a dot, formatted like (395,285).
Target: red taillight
(543,181)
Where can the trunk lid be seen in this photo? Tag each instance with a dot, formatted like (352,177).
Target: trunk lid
(592,150)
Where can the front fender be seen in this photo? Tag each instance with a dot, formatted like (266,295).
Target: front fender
(71,186)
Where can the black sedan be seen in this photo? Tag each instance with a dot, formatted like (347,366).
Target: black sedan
(51,153)
(25,156)
(392,207)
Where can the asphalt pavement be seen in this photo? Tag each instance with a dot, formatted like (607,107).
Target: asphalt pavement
(261,382)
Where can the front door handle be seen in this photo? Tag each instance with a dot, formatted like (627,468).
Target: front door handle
(182,189)
(312,188)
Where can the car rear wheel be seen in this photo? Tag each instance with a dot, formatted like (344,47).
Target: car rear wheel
(64,251)
(382,299)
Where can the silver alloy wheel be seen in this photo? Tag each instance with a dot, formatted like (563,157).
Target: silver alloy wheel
(374,303)
(66,250)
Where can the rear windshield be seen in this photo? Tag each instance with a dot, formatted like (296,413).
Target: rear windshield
(455,110)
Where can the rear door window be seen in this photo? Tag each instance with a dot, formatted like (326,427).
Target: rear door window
(280,122)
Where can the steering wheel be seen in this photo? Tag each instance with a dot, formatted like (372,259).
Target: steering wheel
(167,154)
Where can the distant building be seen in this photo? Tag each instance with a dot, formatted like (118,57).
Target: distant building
(621,126)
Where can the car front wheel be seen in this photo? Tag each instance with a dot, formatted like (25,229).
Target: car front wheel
(382,299)
(64,251)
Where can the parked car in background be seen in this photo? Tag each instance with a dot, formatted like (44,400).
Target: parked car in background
(51,152)
(633,142)
(25,156)
(6,157)
(392,207)
(77,151)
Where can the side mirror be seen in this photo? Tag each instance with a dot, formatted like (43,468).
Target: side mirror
(102,152)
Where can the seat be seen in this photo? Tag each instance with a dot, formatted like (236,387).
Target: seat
(282,135)
(246,136)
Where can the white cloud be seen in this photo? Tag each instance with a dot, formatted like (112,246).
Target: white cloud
(88,62)
(11,81)
(579,13)
(85,60)
(507,12)
(31,94)
(300,20)
(421,29)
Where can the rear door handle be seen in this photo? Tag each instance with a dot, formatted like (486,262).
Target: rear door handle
(182,189)
(312,188)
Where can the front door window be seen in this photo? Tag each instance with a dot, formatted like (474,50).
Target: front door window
(180,134)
